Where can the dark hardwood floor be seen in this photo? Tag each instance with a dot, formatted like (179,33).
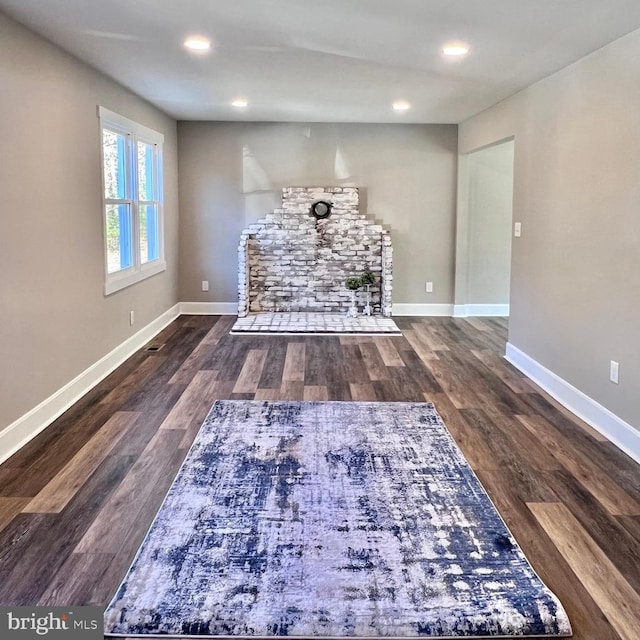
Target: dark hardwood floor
(76,501)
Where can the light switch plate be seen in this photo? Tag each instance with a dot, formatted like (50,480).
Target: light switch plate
(614,370)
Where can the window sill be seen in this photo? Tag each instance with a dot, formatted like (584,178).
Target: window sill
(122,280)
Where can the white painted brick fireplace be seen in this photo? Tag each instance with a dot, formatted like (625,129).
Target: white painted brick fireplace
(291,261)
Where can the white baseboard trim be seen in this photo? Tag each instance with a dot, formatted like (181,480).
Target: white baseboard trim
(231,309)
(409,309)
(489,310)
(18,433)
(209,308)
(622,434)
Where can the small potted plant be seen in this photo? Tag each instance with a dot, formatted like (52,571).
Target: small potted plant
(353,283)
(367,279)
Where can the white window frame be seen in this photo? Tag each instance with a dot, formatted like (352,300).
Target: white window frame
(134,133)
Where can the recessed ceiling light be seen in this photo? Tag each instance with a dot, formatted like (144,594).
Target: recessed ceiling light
(240,103)
(455,49)
(401,105)
(198,44)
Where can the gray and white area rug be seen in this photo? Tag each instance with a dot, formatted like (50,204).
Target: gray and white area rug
(314,323)
(330,519)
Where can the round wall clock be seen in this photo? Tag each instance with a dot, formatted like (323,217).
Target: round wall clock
(321,209)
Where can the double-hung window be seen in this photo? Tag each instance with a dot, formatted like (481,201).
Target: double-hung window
(132,203)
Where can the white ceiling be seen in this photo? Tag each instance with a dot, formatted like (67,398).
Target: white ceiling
(328,60)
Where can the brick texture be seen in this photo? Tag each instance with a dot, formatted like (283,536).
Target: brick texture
(290,261)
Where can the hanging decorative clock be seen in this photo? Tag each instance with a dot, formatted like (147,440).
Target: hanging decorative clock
(321,209)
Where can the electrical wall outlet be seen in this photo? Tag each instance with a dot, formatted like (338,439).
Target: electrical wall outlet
(517,229)
(132,316)
(205,285)
(614,368)
(429,287)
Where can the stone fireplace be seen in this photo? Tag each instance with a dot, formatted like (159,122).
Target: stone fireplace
(293,260)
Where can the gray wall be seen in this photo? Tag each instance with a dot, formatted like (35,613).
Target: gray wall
(575,294)
(490,209)
(231,174)
(54,319)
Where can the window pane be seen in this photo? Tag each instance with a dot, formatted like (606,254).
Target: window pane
(114,147)
(149,233)
(119,237)
(145,171)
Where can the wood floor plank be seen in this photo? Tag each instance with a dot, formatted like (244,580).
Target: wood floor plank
(292,390)
(620,545)
(153,415)
(587,621)
(149,504)
(518,472)
(201,353)
(121,392)
(64,486)
(194,403)
(38,557)
(416,370)
(412,387)
(475,449)
(568,425)
(315,393)
(229,356)
(31,453)
(605,490)
(608,587)
(272,373)
(362,392)
(428,336)
(451,380)
(514,437)
(392,390)
(355,370)
(388,352)
(219,390)
(10,508)
(456,334)
(75,579)
(294,363)
(339,391)
(477,323)
(503,370)
(22,532)
(249,377)
(315,362)
(421,348)
(631,525)
(623,474)
(50,460)
(373,362)
(112,524)
(587,428)
(267,394)
(335,369)
(486,339)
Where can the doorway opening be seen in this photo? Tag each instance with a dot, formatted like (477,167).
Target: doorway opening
(484,231)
